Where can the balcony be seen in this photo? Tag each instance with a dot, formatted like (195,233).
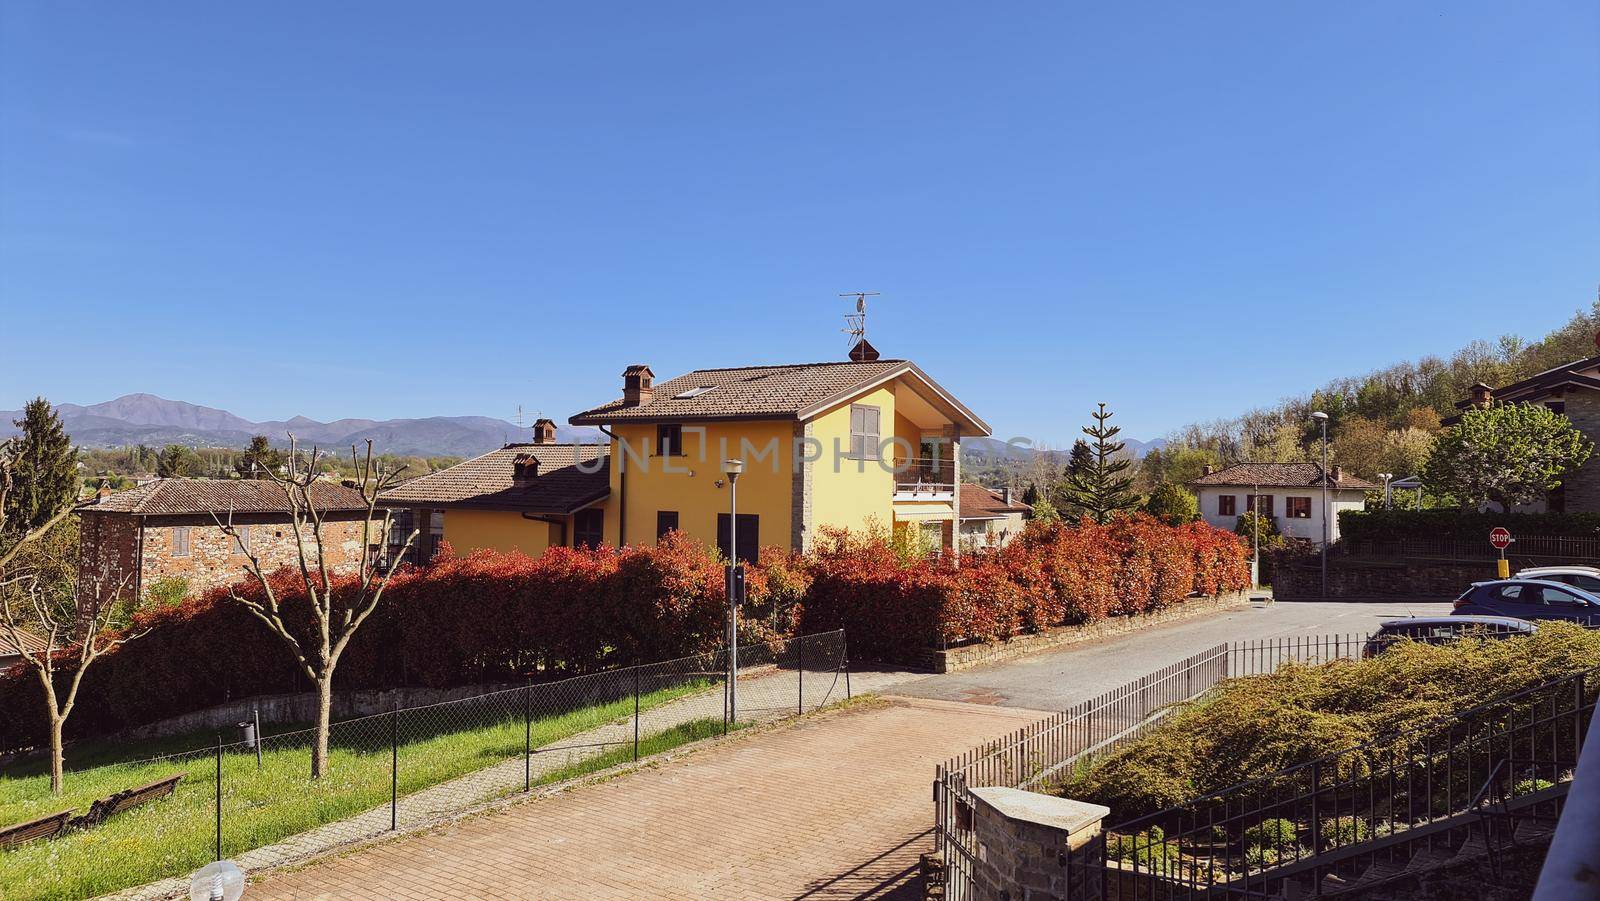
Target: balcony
(925,479)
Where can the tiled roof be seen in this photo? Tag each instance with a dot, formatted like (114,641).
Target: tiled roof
(978,502)
(486,482)
(177,497)
(1279,475)
(743,392)
(31,643)
(1578,373)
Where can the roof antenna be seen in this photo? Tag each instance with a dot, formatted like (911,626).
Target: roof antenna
(857,321)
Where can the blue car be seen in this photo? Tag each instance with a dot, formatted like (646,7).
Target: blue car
(1533,599)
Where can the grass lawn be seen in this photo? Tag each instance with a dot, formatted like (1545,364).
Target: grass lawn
(175,836)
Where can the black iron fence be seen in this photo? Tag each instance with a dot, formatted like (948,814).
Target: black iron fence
(254,799)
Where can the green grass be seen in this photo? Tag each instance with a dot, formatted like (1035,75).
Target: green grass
(176,835)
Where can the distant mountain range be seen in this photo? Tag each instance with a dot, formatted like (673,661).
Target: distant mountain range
(156,421)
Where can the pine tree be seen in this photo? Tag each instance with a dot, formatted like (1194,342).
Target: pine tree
(175,461)
(1030,497)
(45,468)
(1098,485)
(259,459)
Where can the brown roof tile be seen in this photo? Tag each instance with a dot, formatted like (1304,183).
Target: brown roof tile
(978,502)
(486,482)
(31,643)
(178,497)
(1279,475)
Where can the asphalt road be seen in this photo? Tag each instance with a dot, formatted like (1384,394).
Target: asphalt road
(1054,680)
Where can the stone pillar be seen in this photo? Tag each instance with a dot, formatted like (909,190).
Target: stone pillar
(1033,847)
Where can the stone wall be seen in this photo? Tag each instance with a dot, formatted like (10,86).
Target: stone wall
(963,656)
(108,555)
(1355,578)
(1583,486)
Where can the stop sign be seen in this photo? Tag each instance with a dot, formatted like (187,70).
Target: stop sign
(1500,537)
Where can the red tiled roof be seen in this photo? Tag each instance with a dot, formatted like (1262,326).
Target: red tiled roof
(486,482)
(753,392)
(1279,475)
(978,502)
(31,643)
(179,497)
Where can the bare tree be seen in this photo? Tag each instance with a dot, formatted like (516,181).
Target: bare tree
(335,613)
(59,632)
(58,638)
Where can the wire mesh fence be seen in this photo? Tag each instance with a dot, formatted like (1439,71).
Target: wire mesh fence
(255,800)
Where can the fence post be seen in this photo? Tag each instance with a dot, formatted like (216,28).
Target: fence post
(725,686)
(800,667)
(256,715)
(636,714)
(1316,809)
(394,766)
(219,797)
(844,646)
(527,736)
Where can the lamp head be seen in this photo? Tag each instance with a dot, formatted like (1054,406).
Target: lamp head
(732,469)
(1320,416)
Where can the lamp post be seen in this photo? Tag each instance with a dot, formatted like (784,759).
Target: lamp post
(1388,495)
(732,469)
(1322,418)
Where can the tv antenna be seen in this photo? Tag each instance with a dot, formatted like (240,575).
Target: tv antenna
(857,322)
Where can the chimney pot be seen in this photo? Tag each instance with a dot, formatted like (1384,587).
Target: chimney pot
(1335,472)
(1482,395)
(544,432)
(637,385)
(525,468)
(1005,495)
(1206,469)
(863,352)
(103,492)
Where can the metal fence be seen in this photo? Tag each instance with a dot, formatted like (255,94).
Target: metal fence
(254,800)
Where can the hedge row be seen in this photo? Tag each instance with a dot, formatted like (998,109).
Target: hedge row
(494,617)
(896,609)
(1396,525)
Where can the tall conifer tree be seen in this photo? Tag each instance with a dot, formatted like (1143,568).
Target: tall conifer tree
(1099,484)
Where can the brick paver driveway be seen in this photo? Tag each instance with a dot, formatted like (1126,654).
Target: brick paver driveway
(833,806)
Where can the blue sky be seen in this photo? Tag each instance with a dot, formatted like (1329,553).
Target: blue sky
(405,209)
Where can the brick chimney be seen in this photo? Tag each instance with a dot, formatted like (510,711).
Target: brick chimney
(1206,469)
(525,468)
(1335,472)
(637,381)
(1482,395)
(101,493)
(544,432)
(863,352)
(1005,495)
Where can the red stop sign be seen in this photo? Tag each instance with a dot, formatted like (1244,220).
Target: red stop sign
(1500,537)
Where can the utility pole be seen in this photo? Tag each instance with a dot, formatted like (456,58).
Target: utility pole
(1322,418)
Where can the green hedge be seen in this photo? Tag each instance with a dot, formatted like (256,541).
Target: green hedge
(1390,525)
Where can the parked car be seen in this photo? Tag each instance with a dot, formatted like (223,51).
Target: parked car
(1443,629)
(1585,577)
(1530,599)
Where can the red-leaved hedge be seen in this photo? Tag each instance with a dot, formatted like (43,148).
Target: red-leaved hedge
(493,617)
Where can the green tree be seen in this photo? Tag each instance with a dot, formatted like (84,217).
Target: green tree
(1506,454)
(1259,527)
(1030,496)
(1045,511)
(1080,460)
(1101,486)
(258,459)
(175,461)
(1173,504)
(44,466)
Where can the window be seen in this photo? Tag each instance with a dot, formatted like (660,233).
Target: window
(864,432)
(669,440)
(749,536)
(666,521)
(1261,503)
(243,539)
(589,528)
(692,392)
(180,541)
(1297,507)
(1552,596)
(1227,505)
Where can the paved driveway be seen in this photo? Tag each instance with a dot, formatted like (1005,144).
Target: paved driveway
(1057,679)
(833,806)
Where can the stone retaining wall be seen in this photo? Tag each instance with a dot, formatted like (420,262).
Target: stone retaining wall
(1357,578)
(965,656)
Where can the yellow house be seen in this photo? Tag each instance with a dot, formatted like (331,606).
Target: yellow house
(857,443)
(522,497)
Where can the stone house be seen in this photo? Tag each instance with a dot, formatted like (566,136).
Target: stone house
(1573,390)
(1290,493)
(168,529)
(990,517)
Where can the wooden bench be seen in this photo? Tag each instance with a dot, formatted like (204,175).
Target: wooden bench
(33,830)
(128,798)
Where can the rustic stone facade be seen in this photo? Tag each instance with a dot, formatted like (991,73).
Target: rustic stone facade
(124,555)
(1582,486)
(1033,846)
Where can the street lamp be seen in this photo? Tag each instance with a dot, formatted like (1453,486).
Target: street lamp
(1388,496)
(732,469)
(1322,418)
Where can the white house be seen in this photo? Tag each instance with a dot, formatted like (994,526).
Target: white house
(1291,493)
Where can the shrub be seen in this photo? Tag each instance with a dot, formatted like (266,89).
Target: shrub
(1337,832)
(1173,504)
(1274,833)
(1146,848)
(1260,725)
(167,592)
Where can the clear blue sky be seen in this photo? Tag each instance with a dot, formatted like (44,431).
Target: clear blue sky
(401,209)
